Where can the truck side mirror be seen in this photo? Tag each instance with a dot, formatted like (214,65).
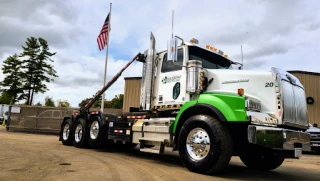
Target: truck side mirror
(6,113)
(172,55)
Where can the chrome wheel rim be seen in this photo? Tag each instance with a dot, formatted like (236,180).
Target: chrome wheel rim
(78,133)
(94,130)
(198,144)
(66,131)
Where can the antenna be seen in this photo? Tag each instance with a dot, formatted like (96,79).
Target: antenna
(172,22)
(242,57)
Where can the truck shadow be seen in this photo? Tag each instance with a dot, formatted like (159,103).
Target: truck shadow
(234,171)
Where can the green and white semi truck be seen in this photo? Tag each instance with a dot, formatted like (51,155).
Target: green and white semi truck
(193,101)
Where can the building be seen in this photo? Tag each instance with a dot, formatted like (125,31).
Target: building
(132,89)
(311,83)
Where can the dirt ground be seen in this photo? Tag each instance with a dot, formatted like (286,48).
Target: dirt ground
(25,156)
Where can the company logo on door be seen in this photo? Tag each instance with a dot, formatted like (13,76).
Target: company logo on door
(171,79)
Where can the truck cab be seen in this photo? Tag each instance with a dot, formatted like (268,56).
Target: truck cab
(171,78)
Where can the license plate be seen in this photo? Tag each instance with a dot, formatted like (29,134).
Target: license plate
(297,152)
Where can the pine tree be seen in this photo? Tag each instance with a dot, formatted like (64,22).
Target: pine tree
(38,70)
(12,83)
(31,51)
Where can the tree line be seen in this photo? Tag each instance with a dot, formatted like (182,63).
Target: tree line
(27,73)
(49,102)
(115,103)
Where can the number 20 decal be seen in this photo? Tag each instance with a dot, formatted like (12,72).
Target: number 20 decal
(269,84)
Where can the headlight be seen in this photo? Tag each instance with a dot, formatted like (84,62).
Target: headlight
(253,105)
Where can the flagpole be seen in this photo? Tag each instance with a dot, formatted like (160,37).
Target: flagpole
(105,65)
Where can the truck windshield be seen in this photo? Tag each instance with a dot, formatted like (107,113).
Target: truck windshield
(209,60)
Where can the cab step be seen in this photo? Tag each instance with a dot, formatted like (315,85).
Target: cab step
(152,139)
(150,150)
(160,143)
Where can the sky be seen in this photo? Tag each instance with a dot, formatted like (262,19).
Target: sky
(273,33)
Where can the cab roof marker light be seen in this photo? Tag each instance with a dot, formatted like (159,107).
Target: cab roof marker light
(212,48)
(195,41)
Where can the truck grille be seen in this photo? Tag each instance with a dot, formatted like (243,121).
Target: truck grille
(293,99)
(315,136)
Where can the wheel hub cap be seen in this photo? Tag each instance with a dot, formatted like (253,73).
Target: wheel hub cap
(78,133)
(198,144)
(66,131)
(94,130)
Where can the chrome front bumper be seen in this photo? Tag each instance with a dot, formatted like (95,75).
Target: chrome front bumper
(278,138)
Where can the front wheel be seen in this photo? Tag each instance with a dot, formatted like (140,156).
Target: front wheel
(205,145)
(262,160)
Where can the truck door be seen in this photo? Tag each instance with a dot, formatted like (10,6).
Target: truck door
(171,80)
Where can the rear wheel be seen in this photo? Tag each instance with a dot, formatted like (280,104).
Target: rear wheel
(97,134)
(262,160)
(205,145)
(80,137)
(65,132)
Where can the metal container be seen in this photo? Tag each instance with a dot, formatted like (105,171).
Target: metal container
(194,68)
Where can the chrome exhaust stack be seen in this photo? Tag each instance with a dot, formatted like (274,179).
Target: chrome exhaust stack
(147,76)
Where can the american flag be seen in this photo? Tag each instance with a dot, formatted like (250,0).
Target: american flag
(103,36)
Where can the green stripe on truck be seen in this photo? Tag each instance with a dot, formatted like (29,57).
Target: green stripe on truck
(232,106)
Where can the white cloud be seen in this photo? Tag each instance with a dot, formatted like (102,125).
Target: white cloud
(283,34)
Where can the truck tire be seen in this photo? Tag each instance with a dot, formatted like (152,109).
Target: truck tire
(97,134)
(66,135)
(262,160)
(80,134)
(205,145)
